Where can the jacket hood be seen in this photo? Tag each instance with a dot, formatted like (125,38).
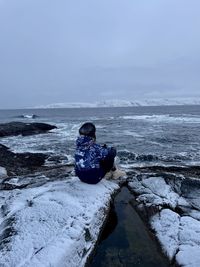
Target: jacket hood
(84,141)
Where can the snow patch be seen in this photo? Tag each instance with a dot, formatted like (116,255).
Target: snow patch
(56,224)
(155,191)
(179,237)
(188,256)
(166,226)
(3,172)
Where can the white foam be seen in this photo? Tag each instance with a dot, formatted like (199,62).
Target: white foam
(43,143)
(29,116)
(163,118)
(68,130)
(132,133)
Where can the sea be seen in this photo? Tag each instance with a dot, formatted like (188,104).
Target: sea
(143,136)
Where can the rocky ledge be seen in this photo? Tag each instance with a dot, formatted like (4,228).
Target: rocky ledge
(56,224)
(171,205)
(21,128)
(19,163)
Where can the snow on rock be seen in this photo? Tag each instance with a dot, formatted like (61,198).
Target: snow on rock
(166,226)
(188,256)
(189,231)
(178,234)
(154,191)
(3,172)
(56,224)
(179,237)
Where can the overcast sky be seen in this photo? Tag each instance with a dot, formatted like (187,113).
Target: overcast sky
(84,51)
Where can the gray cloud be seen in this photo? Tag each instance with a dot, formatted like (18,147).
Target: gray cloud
(60,51)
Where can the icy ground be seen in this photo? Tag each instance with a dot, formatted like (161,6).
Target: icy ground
(175,219)
(3,172)
(48,222)
(56,224)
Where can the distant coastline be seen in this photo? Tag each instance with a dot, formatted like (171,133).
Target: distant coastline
(114,104)
(124,103)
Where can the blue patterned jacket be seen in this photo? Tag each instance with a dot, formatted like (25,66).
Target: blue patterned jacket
(88,154)
(88,159)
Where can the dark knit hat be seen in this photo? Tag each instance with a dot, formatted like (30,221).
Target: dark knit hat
(88,129)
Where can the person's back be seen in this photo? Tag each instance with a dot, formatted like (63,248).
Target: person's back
(92,161)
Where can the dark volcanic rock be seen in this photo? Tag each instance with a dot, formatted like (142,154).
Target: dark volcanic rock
(15,161)
(184,170)
(17,128)
(190,189)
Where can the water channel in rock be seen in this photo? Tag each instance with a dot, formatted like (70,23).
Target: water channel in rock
(126,240)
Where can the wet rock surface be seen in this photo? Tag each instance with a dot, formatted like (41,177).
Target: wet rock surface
(18,163)
(40,177)
(189,171)
(21,128)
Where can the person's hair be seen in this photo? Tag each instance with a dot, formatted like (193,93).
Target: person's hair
(88,129)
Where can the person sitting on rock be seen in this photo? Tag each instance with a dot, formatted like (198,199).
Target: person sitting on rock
(93,161)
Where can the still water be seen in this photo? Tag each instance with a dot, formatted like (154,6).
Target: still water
(126,241)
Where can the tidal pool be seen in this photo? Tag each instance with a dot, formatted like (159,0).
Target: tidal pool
(126,241)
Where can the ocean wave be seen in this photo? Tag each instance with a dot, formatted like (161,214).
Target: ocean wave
(163,118)
(132,133)
(129,157)
(68,131)
(28,116)
(126,155)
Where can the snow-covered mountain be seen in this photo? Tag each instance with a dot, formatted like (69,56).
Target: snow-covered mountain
(126,103)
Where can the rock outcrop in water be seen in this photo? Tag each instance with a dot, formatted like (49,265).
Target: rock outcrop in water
(28,116)
(21,128)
